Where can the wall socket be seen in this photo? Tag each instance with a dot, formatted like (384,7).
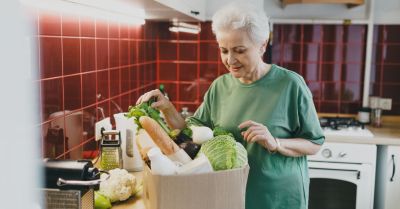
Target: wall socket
(385,103)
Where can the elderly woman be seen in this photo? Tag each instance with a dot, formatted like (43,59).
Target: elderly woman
(269,110)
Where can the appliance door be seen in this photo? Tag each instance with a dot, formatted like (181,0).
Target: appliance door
(340,186)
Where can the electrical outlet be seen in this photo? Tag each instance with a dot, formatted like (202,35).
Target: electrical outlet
(374,102)
(385,103)
(105,123)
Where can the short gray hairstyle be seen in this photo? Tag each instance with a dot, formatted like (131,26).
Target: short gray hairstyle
(238,15)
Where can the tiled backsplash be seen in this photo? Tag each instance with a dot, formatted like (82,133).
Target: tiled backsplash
(385,69)
(88,65)
(329,57)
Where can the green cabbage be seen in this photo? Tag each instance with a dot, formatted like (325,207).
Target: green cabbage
(224,153)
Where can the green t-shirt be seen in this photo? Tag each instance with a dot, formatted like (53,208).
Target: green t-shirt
(281,101)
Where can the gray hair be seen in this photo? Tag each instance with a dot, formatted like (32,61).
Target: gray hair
(241,16)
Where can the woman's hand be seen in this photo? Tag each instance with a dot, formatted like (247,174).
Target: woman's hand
(172,116)
(161,103)
(257,132)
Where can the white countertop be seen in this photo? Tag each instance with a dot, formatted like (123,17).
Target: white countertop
(388,134)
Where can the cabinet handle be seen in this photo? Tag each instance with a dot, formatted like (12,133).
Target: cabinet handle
(394,168)
(194,12)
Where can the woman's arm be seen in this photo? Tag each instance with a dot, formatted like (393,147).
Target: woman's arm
(296,147)
(293,147)
(172,116)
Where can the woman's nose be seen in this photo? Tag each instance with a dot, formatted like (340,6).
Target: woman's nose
(231,59)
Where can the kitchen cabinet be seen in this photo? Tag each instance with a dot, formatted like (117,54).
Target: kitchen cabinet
(168,10)
(212,6)
(350,3)
(387,187)
(193,8)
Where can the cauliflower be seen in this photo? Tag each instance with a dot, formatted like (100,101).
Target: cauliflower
(119,187)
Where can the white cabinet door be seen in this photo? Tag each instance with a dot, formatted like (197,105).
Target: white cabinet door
(192,8)
(392,178)
(213,5)
(387,192)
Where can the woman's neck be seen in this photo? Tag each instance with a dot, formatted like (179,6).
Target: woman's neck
(261,70)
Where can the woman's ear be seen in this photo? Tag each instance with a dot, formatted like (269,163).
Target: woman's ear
(263,48)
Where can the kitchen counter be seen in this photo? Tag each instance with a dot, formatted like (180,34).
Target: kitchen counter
(388,134)
(135,202)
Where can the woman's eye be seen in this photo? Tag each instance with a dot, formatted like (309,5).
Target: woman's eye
(240,51)
(224,51)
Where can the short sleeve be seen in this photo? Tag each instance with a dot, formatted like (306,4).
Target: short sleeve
(309,124)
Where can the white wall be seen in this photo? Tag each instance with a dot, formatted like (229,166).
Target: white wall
(314,11)
(19,139)
(387,11)
(213,5)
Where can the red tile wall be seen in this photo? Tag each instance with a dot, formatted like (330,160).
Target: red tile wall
(385,69)
(329,57)
(87,64)
(187,64)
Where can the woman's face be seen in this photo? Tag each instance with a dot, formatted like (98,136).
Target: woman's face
(239,54)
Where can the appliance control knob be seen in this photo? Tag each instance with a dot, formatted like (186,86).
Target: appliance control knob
(342,154)
(326,153)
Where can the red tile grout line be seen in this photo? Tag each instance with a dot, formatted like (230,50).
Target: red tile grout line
(177,70)
(184,82)
(137,60)
(119,63)
(320,69)
(281,46)
(188,62)
(301,49)
(102,38)
(39,57)
(157,60)
(94,71)
(129,63)
(109,64)
(62,84)
(96,77)
(380,84)
(340,71)
(80,70)
(198,66)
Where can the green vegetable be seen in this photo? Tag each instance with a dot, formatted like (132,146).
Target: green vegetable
(218,131)
(224,153)
(145,109)
(241,156)
(101,202)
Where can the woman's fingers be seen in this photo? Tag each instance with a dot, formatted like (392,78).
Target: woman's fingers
(247,124)
(254,130)
(255,136)
(148,95)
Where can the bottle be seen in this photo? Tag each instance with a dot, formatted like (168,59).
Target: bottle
(161,164)
(185,112)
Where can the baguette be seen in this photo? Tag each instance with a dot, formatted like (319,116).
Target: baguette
(160,138)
